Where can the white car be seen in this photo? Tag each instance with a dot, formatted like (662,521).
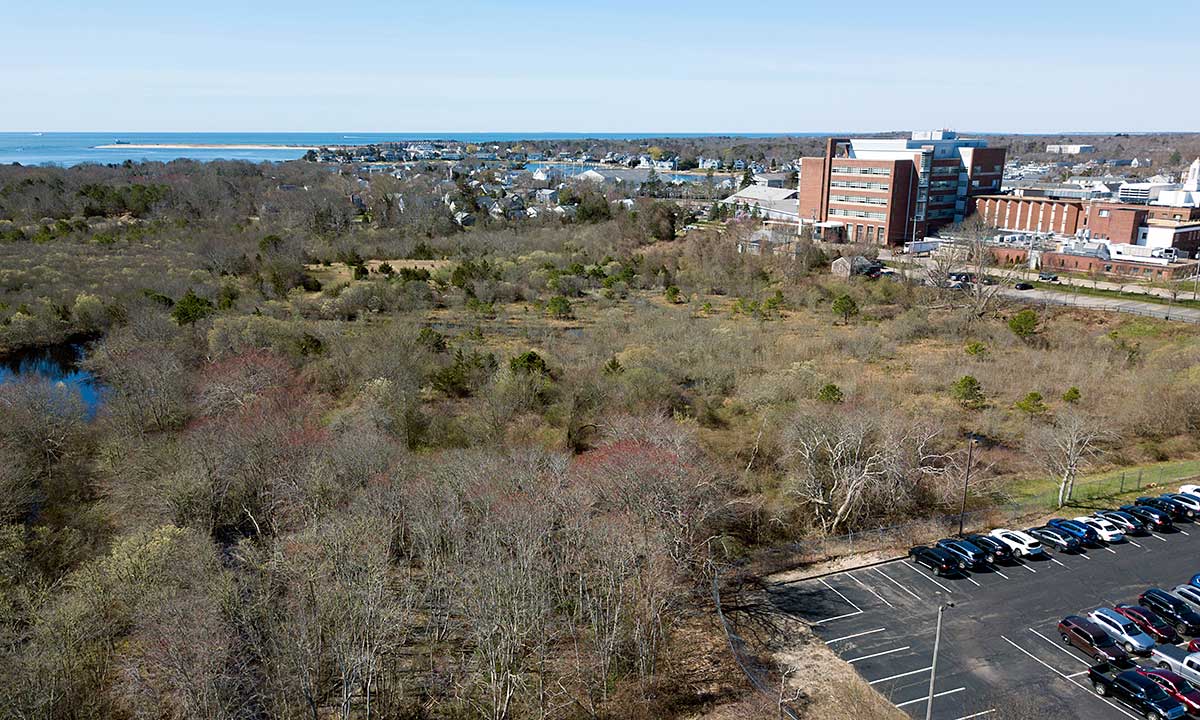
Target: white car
(1190,489)
(1107,531)
(1190,594)
(1120,628)
(1188,500)
(1022,543)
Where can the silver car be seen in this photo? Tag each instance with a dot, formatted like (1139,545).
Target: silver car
(1190,594)
(1122,630)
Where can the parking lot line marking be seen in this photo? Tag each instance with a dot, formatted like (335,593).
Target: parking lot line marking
(1028,568)
(864,587)
(1185,532)
(1074,682)
(935,582)
(997,571)
(1058,647)
(1084,556)
(897,584)
(839,592)
(847,637)
(1133,543)
(1159,537)
(1056,562)
(893,677)
(973,581)
(837,617)
(1077,674)
(1114,552)
(978,714)
(936,695)
(873,655)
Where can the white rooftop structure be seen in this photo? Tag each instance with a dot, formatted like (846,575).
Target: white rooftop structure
(1188,195)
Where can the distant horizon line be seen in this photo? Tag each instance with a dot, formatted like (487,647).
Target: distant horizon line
(436,134)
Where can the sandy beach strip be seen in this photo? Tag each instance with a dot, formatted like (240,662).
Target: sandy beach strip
(198,146)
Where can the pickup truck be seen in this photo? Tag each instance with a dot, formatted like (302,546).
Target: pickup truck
(1177,660)
(1137,691)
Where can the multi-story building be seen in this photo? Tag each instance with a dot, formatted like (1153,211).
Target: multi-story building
(890,191)
(1070,149)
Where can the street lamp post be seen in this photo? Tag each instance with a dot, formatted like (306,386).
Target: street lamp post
(962,511)
(937,641)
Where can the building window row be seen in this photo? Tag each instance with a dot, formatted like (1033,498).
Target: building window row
(858,185)
(852,170)
(843,212)
(859,199)
(947,170)
(943,184)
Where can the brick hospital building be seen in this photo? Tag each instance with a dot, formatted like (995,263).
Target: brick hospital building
(889,191)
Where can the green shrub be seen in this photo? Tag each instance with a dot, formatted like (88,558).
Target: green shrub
(845,306)
(968,392)
(830,393)
(1072,395)
(976,349)
(559,307)
(1024,324)
(1032,404)
(191,308)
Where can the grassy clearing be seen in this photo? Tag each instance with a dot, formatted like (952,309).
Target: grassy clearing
(1112,483)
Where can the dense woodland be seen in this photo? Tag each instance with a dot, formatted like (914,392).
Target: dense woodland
(355,461)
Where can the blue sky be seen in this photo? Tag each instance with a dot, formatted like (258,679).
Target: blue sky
(608,66)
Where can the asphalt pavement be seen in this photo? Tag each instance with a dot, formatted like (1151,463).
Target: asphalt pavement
(999,642)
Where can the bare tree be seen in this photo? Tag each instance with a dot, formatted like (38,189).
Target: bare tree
(846,468)
(1066,446)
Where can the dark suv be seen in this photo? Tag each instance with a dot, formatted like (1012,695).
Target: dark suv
(964,551)
(1178,511)
(1172,610)
(994,551)
(936,559)
(1151,517)
(1088,637)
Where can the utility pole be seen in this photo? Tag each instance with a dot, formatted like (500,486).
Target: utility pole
(937,641)
(962,511)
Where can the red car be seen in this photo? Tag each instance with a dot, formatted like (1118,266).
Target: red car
(1088,637)
(1194,645)
(1175,686)
(1149,623)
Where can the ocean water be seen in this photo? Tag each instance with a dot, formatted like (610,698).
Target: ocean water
(62,148)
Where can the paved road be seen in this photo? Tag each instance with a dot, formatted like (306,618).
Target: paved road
(1065,297)
(999,643)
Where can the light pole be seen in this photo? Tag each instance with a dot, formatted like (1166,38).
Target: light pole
(962,510)
(937,640)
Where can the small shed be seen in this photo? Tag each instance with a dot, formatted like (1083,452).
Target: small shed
(849,265)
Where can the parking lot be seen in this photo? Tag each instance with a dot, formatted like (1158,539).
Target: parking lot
(1000,641)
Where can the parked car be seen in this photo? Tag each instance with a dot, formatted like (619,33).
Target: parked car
(1123,630)
(1176,686)
(1022,544)
(937,560)
(1178,661)
(1056,539)
(1128,523)
(1193,645)
(1084,534)
(1149,623)
(1173,610)
(1190,594)
(1152,517)
(1023,286)
(994,549)
(1195,580)
(1190,489)
(1088,637)
(1138,692)
(973,557)
(1189,501)
(1177,511)
(1107,531)
(1047,277)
